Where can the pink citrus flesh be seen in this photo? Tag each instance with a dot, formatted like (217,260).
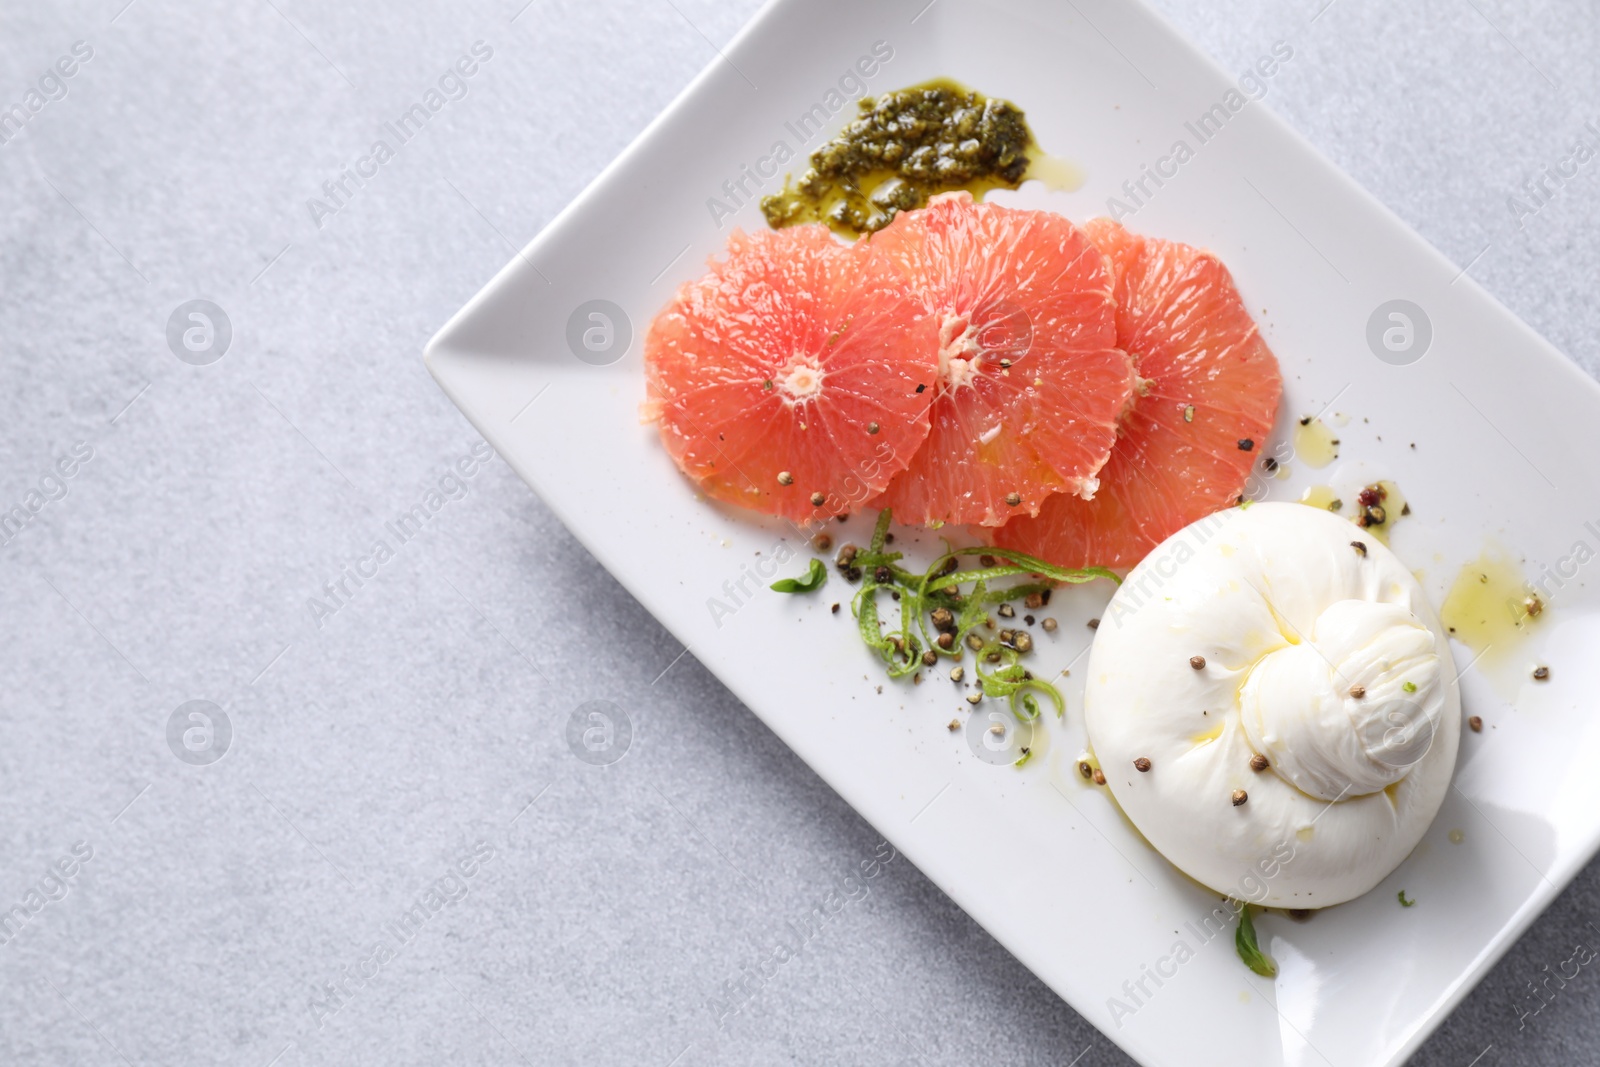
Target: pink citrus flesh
(1030,380)
(1205,405)
(790,380)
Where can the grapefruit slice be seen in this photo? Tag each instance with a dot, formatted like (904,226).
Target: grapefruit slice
(1030,378)
(1206,402)
(789,380)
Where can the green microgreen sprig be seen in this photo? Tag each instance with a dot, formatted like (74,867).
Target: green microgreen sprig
(809,582)
(1244,942)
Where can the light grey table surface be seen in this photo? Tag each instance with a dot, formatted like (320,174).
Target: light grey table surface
(372,751)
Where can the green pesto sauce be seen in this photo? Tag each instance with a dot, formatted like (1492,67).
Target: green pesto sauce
(906,146)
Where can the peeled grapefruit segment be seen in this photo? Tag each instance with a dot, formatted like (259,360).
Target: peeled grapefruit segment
(1206,401)
(1030,378)
(788,379)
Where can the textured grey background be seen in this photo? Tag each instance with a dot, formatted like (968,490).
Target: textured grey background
(370,754)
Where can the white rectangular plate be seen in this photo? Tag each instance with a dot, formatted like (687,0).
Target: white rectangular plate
(1504,430)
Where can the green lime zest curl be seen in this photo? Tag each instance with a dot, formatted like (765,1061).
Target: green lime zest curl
(902,647)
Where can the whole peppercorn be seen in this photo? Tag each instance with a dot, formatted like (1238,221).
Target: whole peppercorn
(1258,762)
(1239,797)
(1141,764)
